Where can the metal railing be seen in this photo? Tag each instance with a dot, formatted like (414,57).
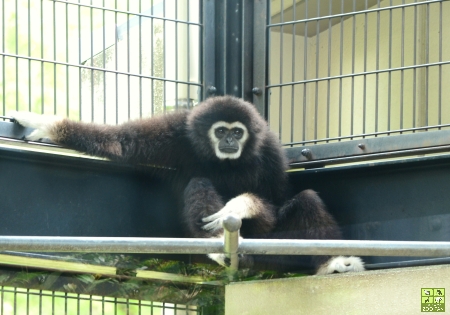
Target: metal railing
(230,245)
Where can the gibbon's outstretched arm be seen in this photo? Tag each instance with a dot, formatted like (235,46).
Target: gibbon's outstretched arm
(157,140)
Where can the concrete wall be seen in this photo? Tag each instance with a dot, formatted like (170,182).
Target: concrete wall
(394,291)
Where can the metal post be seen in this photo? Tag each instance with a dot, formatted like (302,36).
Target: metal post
(231,226)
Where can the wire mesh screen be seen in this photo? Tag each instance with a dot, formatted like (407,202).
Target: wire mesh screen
(28,301)
(102,61)
(97,60)
(343,68)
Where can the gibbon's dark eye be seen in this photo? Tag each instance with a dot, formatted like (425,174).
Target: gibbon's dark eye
(220,132)
(238,133)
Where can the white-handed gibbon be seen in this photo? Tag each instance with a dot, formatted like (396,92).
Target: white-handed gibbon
(226,160)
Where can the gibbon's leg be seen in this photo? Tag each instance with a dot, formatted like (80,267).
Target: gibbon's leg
(305,217)
(200,201)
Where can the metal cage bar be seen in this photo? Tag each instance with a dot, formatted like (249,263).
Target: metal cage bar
(355,68)
(90,49)
(205,246)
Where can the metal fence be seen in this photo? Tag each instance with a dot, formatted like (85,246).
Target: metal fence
(28,301)
(102,61)
(320,70)
(339,69)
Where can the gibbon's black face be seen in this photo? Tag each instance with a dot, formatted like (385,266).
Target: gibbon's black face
(228,139)
(226,128)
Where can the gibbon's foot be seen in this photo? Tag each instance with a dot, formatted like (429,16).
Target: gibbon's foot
(243,206)
(42,123)
(244,260)
(221,259)
(341,264)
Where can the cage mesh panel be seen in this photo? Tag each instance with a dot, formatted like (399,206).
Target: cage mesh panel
(102,61)
(97,60)
(339,69)
(34,302)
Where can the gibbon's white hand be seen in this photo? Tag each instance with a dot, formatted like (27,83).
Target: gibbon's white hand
(242,206)
(42,123)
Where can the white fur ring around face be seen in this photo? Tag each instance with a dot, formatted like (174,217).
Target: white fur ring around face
(42,123)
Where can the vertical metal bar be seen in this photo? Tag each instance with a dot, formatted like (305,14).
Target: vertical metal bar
(377,66)
(390,66)
(128,61)
(140,59)
(247,50)
(330,12)
(80,95)
(3,288)
(316,101)
(15,296)
(3,74)
(67,60)
(224,40)
(188,57)
(280,96)
(164,56)
(116,63)
(293,70)
(341,61)
(104,59)
(17,53)
(260,55)
(29,61)
(233,42)
(352,101)
(53,302)
(176,55)
(28,299)
(440,66)
(414,71)
(365,68)
(42,57)
(305,71)
(65,303)
(427,57)
(54,58)
(402,73)
(152,62)
(209,47)
(231,225)
(91,28)
(40,302)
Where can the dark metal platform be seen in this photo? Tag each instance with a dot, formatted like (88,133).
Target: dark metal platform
(55,195)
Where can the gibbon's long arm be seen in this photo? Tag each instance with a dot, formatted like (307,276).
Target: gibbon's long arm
(153,140)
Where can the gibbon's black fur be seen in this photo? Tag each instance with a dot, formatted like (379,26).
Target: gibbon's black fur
(252,183)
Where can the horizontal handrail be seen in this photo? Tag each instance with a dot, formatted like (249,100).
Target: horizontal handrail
(215,245)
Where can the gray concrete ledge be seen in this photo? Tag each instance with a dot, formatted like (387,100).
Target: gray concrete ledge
(393,291)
